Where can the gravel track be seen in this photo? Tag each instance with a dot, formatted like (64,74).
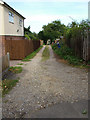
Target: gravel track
(44,83)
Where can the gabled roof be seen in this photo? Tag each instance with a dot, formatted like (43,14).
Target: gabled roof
(9,7)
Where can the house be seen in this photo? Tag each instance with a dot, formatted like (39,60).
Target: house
(89,10)
(11,25)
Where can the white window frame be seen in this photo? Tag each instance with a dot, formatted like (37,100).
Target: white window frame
(11,17)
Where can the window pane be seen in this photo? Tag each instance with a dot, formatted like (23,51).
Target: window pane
(20,22)
(9,13)
(11,17)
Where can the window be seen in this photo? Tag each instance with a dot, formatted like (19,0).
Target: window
(11,17)
(20,22)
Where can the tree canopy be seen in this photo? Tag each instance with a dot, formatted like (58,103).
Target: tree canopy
(56,29)
(30,35)
(52,31)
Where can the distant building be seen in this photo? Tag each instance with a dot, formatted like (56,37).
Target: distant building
(89,10)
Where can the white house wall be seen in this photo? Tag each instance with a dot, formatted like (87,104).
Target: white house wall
(13,29)
(1,20)
(89,10)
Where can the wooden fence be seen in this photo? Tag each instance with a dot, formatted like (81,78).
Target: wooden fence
(19,49)
(81,45)
(86,47)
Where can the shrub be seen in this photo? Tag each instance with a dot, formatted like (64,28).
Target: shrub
(67,54)
(27,36)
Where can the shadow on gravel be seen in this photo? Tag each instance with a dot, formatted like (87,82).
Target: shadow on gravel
(13,76)
(9,75)
(64,110)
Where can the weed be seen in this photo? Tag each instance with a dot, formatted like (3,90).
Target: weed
(45,54)
(20,64)
(84,111)
(7,85)
(15,69)
(31,55)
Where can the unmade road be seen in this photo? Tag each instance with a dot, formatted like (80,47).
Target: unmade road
(45,84)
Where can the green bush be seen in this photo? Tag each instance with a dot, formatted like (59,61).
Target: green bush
(27,36)
(67,53)
(74,34)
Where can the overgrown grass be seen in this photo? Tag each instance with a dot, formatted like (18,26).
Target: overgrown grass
(7,85)
(20,64)
(31,55)
(68,54)
(15,69)
(45,54)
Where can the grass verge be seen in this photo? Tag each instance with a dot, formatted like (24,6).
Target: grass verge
(15,69)
(68,54)
(31,55)
(45,54)
(20,64)
(7,85)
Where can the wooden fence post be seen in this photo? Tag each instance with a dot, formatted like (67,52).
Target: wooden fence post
(8,58)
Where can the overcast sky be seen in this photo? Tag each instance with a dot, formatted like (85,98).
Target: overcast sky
(42,12)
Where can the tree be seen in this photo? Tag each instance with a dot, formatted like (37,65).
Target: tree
(52,31)
(42,36)
(27,30)
(29,35)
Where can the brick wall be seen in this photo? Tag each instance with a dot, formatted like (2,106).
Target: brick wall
(14,37)
(2,46)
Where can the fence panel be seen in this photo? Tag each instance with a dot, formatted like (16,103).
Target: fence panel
(81,45)
(19,49)
(89,44)
(15,48)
